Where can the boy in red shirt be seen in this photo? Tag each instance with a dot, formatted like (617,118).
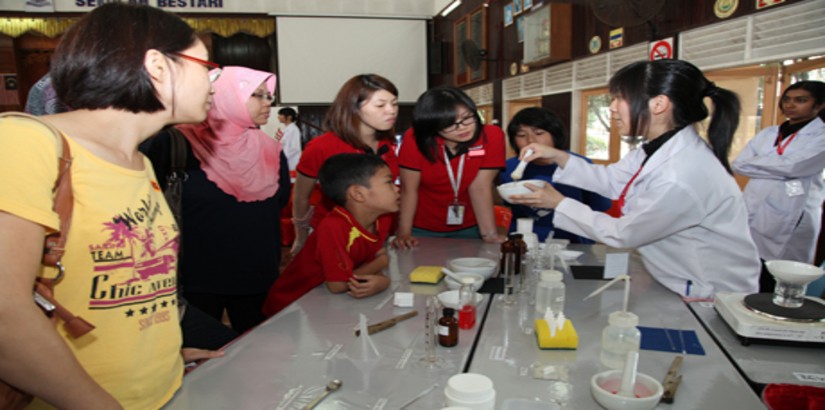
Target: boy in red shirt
(347,250)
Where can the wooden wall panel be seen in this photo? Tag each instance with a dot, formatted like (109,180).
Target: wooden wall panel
(676,16)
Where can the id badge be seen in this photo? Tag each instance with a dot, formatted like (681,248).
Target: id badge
(794,188)
(455,214)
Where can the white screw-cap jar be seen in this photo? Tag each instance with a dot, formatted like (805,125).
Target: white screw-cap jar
(618,338)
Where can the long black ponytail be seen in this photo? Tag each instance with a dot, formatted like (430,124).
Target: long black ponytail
(686,87)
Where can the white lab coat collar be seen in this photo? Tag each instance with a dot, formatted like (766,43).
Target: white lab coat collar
(685,137)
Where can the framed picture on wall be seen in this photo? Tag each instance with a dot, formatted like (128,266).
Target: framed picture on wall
(478,33)
(528,4)
(508,14)
(460,36)
(517,7)
(520,28)
(470,36)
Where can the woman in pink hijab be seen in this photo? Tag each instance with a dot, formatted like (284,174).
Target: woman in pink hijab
(236,182)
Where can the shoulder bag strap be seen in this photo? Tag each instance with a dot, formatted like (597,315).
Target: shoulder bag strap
(63,198)
(55,243)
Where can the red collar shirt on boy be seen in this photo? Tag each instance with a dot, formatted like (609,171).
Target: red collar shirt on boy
(346,246)
(435,192)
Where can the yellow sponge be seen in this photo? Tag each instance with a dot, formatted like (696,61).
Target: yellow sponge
(566,338)
(426,274)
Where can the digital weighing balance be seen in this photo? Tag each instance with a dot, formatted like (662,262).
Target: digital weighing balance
(785,316)
(755,319)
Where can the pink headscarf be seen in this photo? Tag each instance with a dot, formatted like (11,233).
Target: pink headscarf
(237,156)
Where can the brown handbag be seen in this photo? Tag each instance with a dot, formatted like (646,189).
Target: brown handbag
(54,245)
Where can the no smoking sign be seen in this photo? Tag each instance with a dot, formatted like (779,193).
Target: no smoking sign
(661,49)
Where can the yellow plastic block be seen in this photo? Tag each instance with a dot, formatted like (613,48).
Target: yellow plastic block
(566,338)
(426,274)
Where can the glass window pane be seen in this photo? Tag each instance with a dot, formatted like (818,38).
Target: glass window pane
(597,134)
(817,74)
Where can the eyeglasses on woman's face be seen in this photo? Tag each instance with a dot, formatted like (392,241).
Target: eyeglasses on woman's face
(215,71)
(470,119)
(264,96)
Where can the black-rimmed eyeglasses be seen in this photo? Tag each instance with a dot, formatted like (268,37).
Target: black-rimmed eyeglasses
(467,121)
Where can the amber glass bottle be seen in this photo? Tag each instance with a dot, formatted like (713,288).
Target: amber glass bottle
(448,328)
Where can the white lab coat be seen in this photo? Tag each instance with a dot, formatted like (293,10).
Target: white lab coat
(292,145)
(684,213)
(783,225)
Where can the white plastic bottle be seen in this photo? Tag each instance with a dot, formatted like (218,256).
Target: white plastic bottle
(550,292)
(618,338)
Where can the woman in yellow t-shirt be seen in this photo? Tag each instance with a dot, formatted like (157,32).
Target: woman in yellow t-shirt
(126,71)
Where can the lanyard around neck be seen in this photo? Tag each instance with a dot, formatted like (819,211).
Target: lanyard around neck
(780,147)
(626,187)
(454,183)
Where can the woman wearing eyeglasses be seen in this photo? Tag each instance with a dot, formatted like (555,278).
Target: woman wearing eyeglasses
(449,162)
(360,120)
(236,182)
(120,255)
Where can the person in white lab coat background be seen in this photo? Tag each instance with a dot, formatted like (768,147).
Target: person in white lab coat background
(681,208)
(785,192)
(290,137)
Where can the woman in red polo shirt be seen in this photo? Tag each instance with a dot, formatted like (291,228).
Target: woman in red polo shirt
(360,120)
(448,164)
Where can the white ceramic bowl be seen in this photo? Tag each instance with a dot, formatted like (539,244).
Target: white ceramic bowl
(450,299)
(793,272)
(453,285)
(482,266)
(648,390)
(517,188)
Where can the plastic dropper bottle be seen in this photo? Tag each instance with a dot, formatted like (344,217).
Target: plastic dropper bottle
(550,292)
(618,338)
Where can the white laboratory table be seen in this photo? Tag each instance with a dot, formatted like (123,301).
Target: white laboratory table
(287,360)
(505,352)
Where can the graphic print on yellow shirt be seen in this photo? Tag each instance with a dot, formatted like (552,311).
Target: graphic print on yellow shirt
(135,265)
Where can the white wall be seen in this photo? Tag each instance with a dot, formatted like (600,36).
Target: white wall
(317,55)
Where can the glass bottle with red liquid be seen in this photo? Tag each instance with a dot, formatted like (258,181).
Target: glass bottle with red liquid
(467,306)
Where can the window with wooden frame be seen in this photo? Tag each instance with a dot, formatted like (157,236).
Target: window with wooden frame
(756,87)
(600,140)
(470,27)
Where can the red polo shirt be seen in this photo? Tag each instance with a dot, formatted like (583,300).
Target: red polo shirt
(332,252)
(326,145)
(435,193)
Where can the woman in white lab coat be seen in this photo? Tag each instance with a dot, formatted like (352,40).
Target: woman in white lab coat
(681,208)
(785,192)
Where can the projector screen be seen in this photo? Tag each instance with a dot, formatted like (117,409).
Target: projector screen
(316,55)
